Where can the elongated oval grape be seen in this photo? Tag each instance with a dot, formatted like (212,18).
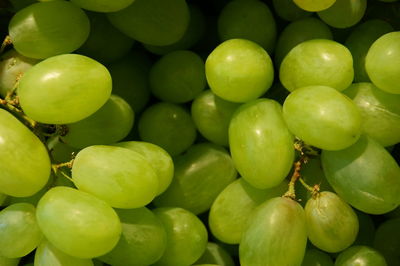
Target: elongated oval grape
(275,235)
(121,177)
(231,209)
(323,117)
(215,253)
(260,143)
(46,29)
(25,163)
(365,175)
(344,13)
(314,5)
(186,237)
(9,261)
(239,70)
(78,223)
(315,63)
(48,255)
(155,22)
(332,225)
(103,5)
(200,175)
(387,240)
(64,89)
(142,242)
(288,10)
(360,255)
(19,230)
(382,60)
(315,257)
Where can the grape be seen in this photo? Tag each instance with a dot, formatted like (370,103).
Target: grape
(34,199)
(387,240)
(9,261)
(261,144)
(200,175)
(365,175)
(142,242)
(275,235)
(216,254)
(366,230)
(178,77)
(121,177)
(360,255)
(62,152)
(103,5)
(317,62)
(3,199)
(47,29)
(25,163)
(288,10)
(323,117)
(186,237)
(154,22)
(19,230)
(78,223)
(111,123)
(239,70)
(64,89)
(382,60)
(48,255)
(344,13)
(315,257)
(314,5)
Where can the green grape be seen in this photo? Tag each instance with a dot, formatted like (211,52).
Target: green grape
(322,117)
(142,242)
(178,77)
(288,10)
(332,225)
(382,60)
(17,5)
(231,209)
(186,237)
(314,5)
(19,230)
(387,240)
(154,22)
(380,112)
(315,257)
(260,143)
(366,230)
(111,123)
(48,255)
(3,200)
(25,163)
(360,40)
(318,62)
(248,19)
(169,126)
(360,255)
(105,43)
(365,175)
(158,158)
(12,67)
(200,175)
(275,235)
(212,116)
(9,261)
(297,32)
(103,5)
(119,176)
(78,223)
(47,29)
(215,253)
(239,70)
(344,13)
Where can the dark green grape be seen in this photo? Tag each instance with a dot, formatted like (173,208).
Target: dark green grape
(288,10)
(215,253)
(360,255)
(387,241)
(315,257)
(344,13)
(103,5)
(366,230)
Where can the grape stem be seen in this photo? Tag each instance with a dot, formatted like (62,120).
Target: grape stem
(56,167)
(295,176)
(10,105)
(314,190)
(7,41)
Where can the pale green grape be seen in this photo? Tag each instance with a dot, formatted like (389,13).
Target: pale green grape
(275,235)
(155,22)
(200,175)
(34,199)
(360,255)
(157,157)
(78,223)
(178,77)
(103,5)
(260,143)
(315,257)
(121,177)
(19,230)
(314,5)
(64,89)
(46,29)
(344,13)
(365,175)
(215,253)
(142,242)
(48,255)
(288,10)
(387,240)
(239,70)
(323,117)
(186,237)
(248,19)
(317,62)
(231,209)
(25,163)
(9,261)
(382,64)
(111,123)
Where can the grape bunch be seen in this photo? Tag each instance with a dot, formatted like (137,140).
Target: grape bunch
(204,133)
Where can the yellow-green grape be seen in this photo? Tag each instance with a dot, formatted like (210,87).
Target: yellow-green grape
(314,5)
(360,255)
(9,261)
